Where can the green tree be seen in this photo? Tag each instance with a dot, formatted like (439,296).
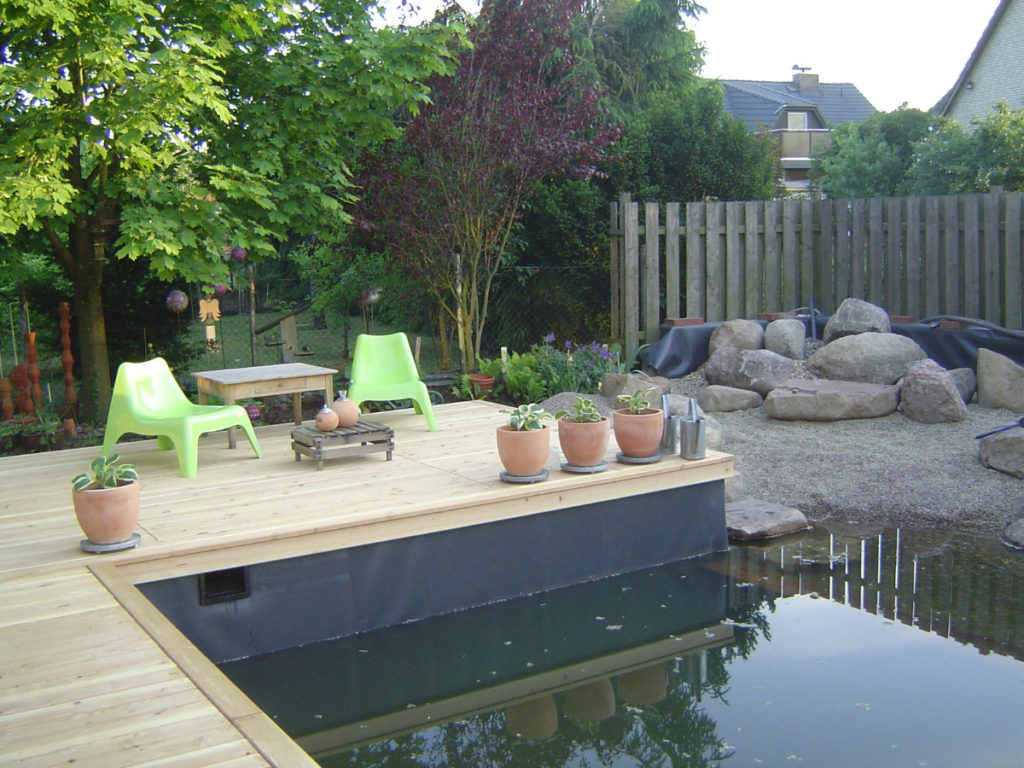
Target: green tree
(953,160)
(639,47)
(871,158)
(166,131)
(688,148)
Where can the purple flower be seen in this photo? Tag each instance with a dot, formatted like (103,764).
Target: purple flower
(568,344)
(550,338)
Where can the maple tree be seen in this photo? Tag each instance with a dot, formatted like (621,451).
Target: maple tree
(445,200)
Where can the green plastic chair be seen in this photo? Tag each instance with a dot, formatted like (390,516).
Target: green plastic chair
(383,369)
(148,401)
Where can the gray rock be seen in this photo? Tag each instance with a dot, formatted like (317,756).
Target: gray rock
(718,398)
(855,316)
(1003,451)
(722,367)
(826,400)
(759,370)
(764,369)
(1013,534)
(754,519)
(639,383)
(966,382)
(734,490)
(1000,382)
(785,337)
(741,334)
(714,434)
(612,384)
(877,358)
(929,394)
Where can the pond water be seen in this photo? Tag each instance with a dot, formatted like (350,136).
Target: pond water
(898,649)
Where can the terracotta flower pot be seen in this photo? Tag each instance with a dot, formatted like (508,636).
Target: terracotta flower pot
(482,383)
(639,434)
(107,515)
(585,443)
(523,453)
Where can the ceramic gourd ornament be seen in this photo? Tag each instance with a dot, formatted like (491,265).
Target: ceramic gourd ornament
(348,411)
(326,420)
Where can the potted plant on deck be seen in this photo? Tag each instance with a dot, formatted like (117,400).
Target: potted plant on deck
(638,427)
(583,436)
(106,503)
(523,444)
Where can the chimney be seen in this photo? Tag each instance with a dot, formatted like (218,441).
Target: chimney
(805,82)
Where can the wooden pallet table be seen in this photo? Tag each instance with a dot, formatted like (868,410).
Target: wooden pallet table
(361,438)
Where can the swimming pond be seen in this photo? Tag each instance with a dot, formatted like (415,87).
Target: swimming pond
(899,648)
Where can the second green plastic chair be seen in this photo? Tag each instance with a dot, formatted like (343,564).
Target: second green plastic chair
(148,401)
(383,368)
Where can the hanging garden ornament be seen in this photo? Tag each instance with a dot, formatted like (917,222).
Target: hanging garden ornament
(238,253)
(177,301)
(220,289)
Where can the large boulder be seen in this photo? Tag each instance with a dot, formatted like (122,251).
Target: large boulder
(742,334)
(718,398)
(825,400)
(785,337)
(1003,451)
(876,358)
(929,395)
(759,370)
(1000,382)
(856,316)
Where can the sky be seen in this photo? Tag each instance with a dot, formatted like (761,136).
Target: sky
(893,51)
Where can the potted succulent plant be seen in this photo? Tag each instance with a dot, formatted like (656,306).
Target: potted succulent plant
(106,500)
(523,443)
(583,435)
(638,427)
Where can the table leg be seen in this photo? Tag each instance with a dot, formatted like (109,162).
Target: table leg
(229,399)
(297,407)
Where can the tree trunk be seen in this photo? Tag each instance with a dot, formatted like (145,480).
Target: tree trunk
(85,260)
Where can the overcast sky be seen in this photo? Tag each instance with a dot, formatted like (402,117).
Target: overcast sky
(894,51)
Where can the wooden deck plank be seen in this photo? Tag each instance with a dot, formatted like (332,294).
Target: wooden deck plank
(91,672)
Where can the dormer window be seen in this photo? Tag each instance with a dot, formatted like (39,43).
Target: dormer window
(796,121)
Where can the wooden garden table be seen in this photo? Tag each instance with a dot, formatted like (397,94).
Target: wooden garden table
(231,384)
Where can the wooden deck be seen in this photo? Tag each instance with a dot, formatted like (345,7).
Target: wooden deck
(92,674)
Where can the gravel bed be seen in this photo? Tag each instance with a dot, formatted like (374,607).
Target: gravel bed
(867,472)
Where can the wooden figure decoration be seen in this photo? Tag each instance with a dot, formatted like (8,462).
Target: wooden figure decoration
(32,360)
(6,404)
(209,313)
(67,360)
(22,391)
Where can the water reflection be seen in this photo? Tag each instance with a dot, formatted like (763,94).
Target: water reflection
(754,654)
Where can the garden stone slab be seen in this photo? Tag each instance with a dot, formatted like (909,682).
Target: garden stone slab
(755,519)
(826,400)
(1004,452)
(716,397)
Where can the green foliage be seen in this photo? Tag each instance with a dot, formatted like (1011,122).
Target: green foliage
(161,132)
(46,424)
(953,160)
(582,411)
(105,473)
(546,370)
(560,281)
(639,48)
(871,158)
(637,401)
(909,152)
(688,148)
(526,417)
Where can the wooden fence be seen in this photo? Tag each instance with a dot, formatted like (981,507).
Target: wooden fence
(917,256)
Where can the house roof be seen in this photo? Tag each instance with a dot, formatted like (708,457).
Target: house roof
(946,101)
(759,103)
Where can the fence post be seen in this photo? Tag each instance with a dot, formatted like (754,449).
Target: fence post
(652,293)
(631,274)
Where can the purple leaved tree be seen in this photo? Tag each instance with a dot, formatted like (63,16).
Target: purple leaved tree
(445,199)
